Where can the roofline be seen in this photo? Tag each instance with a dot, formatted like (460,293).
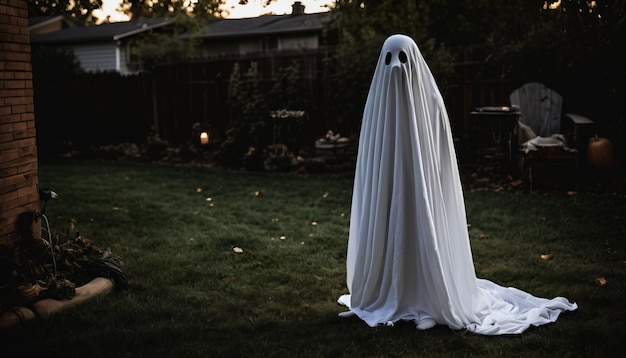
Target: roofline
(143,28)
(206,36)
(210,35)
(46,22)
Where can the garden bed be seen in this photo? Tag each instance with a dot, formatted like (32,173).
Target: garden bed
(46,307)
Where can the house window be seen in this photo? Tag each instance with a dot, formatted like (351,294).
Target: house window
(132,56)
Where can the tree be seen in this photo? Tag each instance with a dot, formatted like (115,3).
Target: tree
(362,28)
(568,44)
(248,113)
(165,46)
(80,11)
(48,60)
(205,9)
(161,46)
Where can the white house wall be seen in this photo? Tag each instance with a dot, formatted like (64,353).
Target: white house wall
(298,43)
(250,46)
(123,57)
(97,58)
(218,48)
(255,45)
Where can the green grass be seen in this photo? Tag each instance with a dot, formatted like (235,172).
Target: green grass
(191,295)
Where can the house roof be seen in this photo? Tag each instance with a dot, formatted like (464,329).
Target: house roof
(106,32)
(224,28)
(262,25)
(35,22)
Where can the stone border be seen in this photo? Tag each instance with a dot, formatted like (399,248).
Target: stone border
(97,287)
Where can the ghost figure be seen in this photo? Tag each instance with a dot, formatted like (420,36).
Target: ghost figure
(409,255)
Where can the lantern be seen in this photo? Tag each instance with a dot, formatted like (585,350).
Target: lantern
(204,138)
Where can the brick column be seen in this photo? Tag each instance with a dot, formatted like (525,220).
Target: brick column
(18,145)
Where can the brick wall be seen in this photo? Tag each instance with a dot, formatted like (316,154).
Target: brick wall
(18,146)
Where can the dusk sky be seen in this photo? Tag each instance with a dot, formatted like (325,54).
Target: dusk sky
(252,9)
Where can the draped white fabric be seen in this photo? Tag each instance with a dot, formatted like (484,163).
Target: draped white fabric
(409,256)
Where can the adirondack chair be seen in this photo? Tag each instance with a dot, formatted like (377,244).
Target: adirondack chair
(547,140)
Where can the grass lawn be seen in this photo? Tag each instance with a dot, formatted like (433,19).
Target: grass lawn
(192,294)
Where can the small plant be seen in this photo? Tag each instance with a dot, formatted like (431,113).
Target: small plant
(31,269)
(80,261)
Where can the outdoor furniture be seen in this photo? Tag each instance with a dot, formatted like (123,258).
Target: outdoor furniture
(496,126)
(549,155)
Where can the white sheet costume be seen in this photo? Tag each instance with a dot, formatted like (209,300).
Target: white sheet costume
(409,255)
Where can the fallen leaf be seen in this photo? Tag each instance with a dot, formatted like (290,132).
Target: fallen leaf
(257,193)
(313,223)
(237,249)
(199,190)
(545,256)
(283,237)
(325,195)
(601,281)
(483,236)
(208,199)
(572,193)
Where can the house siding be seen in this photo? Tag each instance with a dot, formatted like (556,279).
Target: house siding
(98,58)
(218,48)
(298,42)
(18,146)
(245,46)
(250,46)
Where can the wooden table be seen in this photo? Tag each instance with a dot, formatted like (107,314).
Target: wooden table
(497,126)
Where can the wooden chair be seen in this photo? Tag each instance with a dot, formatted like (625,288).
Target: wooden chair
(548,141)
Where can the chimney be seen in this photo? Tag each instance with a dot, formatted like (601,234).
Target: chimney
(297,8)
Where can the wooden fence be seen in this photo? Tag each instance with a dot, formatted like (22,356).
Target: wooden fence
(198,92)
(90,109)
(107,108)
